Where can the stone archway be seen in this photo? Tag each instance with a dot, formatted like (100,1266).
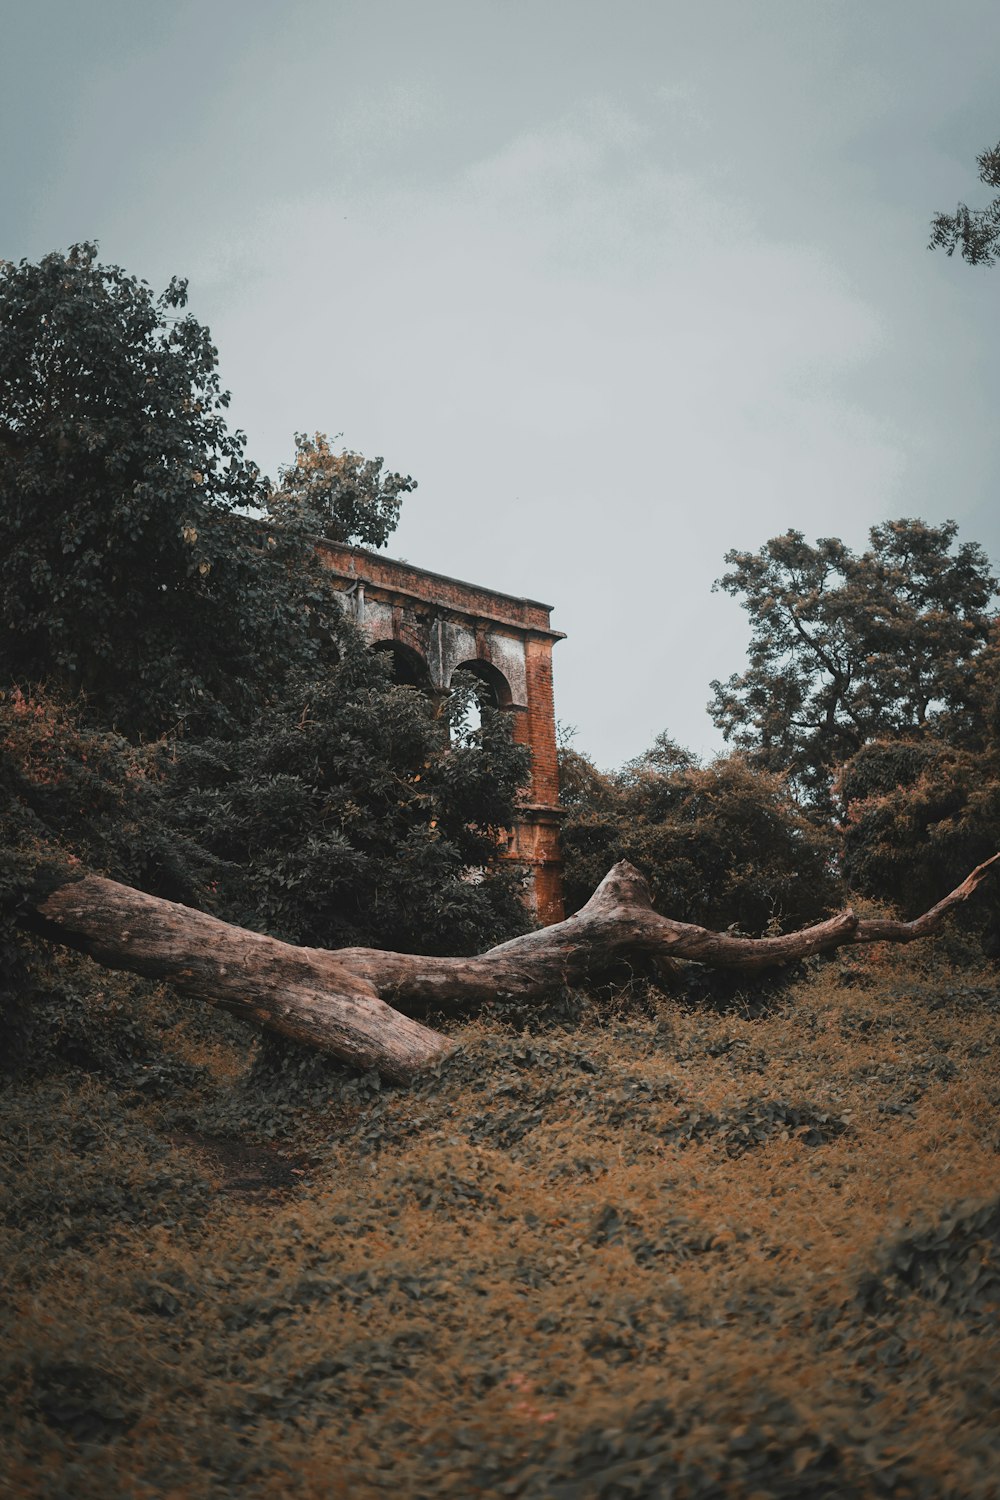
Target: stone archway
(441,624)
(492,688)
(408,666)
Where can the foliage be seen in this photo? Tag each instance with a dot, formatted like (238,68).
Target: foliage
(336,818)
(582,786)
(341,496)
(975,231)
(73,799)
(343,817)
(920,814)
(125,573)
(921,811)
(722,845)
(76,797)
(846,649)
(135,567)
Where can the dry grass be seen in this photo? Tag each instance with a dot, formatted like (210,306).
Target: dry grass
(659,1251)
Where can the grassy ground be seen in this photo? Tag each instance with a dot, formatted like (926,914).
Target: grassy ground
(652,1248)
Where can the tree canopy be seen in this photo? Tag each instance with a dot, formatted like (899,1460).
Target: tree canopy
(124,574)
(974,232)
(848,648)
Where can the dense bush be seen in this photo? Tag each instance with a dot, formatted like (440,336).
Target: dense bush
(919,811)
(721,845)
(343,816)
(73,798)
(919,816)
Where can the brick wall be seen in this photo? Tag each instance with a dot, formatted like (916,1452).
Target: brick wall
(434,588)
(537,839)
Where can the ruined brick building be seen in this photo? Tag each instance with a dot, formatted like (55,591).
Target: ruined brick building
(435,625)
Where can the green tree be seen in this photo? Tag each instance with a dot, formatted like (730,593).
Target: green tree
(128,571)
(721,845)
(341,496)
(339,818)
(846,649)
(976,232)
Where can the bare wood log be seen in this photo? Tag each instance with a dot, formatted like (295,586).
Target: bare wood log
(350,1002)
(304,993)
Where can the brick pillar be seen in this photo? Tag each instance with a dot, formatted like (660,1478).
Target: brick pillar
(536,836)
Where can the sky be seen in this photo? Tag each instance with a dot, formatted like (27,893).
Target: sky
(622,285)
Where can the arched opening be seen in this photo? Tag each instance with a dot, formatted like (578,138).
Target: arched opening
(490,691)
(407,667)
(497,691)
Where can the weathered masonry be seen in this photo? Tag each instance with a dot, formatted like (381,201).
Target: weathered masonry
(435,625)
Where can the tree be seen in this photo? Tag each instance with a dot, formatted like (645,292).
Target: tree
(126,572)
(344,497)
(846,649)
(976,231)
(722,845)
(343,815)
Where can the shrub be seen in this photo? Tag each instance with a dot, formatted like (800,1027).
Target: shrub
(721,845)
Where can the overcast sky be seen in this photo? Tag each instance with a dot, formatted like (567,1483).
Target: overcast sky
(622,285)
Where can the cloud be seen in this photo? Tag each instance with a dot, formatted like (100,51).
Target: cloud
(603,371)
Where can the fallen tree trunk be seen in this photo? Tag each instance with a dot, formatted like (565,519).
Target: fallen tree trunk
(349,1002)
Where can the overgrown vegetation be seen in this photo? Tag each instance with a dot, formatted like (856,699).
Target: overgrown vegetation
(182,703)
(646,1248)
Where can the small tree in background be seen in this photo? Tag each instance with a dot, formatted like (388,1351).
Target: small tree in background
(341,496)
(847,649)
